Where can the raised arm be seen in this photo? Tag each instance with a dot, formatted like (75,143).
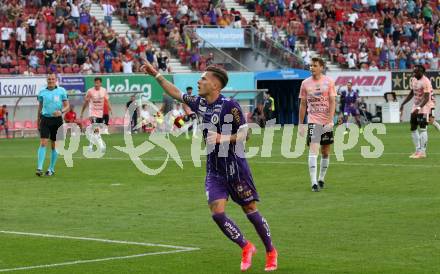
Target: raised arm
(169,88)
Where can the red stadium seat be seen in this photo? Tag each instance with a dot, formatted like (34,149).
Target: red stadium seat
(68,69)
(118,121)
(41,70)
(28,124)
(18,125)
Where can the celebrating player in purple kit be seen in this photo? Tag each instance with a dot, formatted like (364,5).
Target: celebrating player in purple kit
(227,175)
(351,98)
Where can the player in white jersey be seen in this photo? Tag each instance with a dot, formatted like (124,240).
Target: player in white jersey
(421,90)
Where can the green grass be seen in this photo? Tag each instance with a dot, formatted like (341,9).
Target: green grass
(377,215)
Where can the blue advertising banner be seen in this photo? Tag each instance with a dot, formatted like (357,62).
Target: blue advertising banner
(221,37)
(73,85)
(237,81)
(285,74)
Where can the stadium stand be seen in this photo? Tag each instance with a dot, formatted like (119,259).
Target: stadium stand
(354,34)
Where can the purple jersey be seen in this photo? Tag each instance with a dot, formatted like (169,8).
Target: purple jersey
(350,99)
(223,164)
(222,112)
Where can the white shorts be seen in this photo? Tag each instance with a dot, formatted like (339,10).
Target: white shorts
(59,38)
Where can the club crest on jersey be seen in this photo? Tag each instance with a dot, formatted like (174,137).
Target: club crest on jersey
(215,118)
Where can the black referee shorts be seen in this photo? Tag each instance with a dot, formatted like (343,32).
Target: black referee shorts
(49,127)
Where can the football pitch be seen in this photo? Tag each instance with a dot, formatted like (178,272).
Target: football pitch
(105,216)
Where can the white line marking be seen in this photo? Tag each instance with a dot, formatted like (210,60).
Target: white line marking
(95,239)
(116,184)
(349,164)
(177,250)
(286,162)
(90,261)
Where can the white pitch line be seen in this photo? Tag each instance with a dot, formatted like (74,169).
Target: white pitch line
(348,164)
(177,250)
(90,261)
(96,240)
(286,162)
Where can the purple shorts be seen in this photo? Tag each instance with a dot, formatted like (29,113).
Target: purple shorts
(242,192)
(352,111)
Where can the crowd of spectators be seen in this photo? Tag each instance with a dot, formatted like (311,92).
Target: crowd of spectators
(61,36)
(367,34)
(38,36)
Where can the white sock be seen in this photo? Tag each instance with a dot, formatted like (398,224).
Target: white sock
(323,168)
(423,139)
(436,125)
(313,162)
(416,139)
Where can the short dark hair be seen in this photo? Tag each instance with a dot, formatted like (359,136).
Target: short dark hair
(98,79)
(4,106)
(219,73)
(421,67)
(319,60)
(189,88)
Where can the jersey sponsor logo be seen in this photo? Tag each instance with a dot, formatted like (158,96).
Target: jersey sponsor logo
(215,119)
(56,98)
(236,114)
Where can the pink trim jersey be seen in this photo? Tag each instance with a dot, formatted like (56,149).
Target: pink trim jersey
(96,101)
(317,94)
(420,87)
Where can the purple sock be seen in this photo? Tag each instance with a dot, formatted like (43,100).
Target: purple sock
(262,228)
(230,229)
